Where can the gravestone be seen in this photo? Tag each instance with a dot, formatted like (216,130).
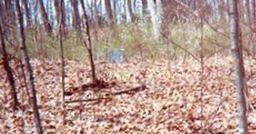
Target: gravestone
(116,55)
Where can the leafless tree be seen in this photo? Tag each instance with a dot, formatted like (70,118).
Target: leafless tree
(238,65)
(109,12)
(76,17)
(46,22)
(254,12)
(129,3)
(59,11)
(88,44)
(8,70)
(27,12)
(26,59)
(61,20)
(145,10)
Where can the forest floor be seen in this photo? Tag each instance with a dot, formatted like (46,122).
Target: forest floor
(137,97)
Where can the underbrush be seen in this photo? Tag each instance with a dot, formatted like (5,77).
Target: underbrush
(137,39)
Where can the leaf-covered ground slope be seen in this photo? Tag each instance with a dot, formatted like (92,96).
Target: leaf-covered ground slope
(137,97)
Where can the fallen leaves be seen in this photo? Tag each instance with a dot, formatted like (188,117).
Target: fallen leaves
(135,97)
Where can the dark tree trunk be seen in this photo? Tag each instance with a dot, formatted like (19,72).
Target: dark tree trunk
(109,12)
(10,10)
(89,44)
(254,12)
(57,10)
(26,59)
(8,70)
(27,12)
(96,19)
(130,10)
(60,11)
(248,12)
(239,66)
(124,15)
(116,2)
(75,14)
(61,20)
(47,24)
(166,17)
(145,10)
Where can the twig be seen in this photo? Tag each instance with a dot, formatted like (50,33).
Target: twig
(128,91)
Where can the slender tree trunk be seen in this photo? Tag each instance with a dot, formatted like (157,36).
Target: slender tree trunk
(254,12)
(239,67)
(61,20)
(76,18)
(115,10)
(57,10)
(27,13)
(10,9)
(96,19)
(8,70)
(26,58)
(46,22)
(109,12)
(124,15)
(145,10)
(89,44)
(130,10)
(248,12)
(166,17)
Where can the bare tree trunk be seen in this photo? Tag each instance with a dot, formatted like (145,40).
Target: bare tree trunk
(61,20)
(57,10)
(130,10)
(167,16)
(124,14)
(89,44)
(109,12)
(46,23)
(8,70)
(115,7)
(248,12)
(27,12)
(26,58)
(145,10)
(76,18)
(96,19)
(254,12)
(10,9)
(239,66)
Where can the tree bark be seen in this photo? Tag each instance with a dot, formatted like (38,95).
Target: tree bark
(145,9)
(8,70)
(109,12)
(238,65)
(75,15)
(254,12)
(47,24)
(132,15)
(26,58)
(89,44)
(57,10)
(96,19)
(27,13)
(166,17)
(10,10)
(61,20)
(248,12)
